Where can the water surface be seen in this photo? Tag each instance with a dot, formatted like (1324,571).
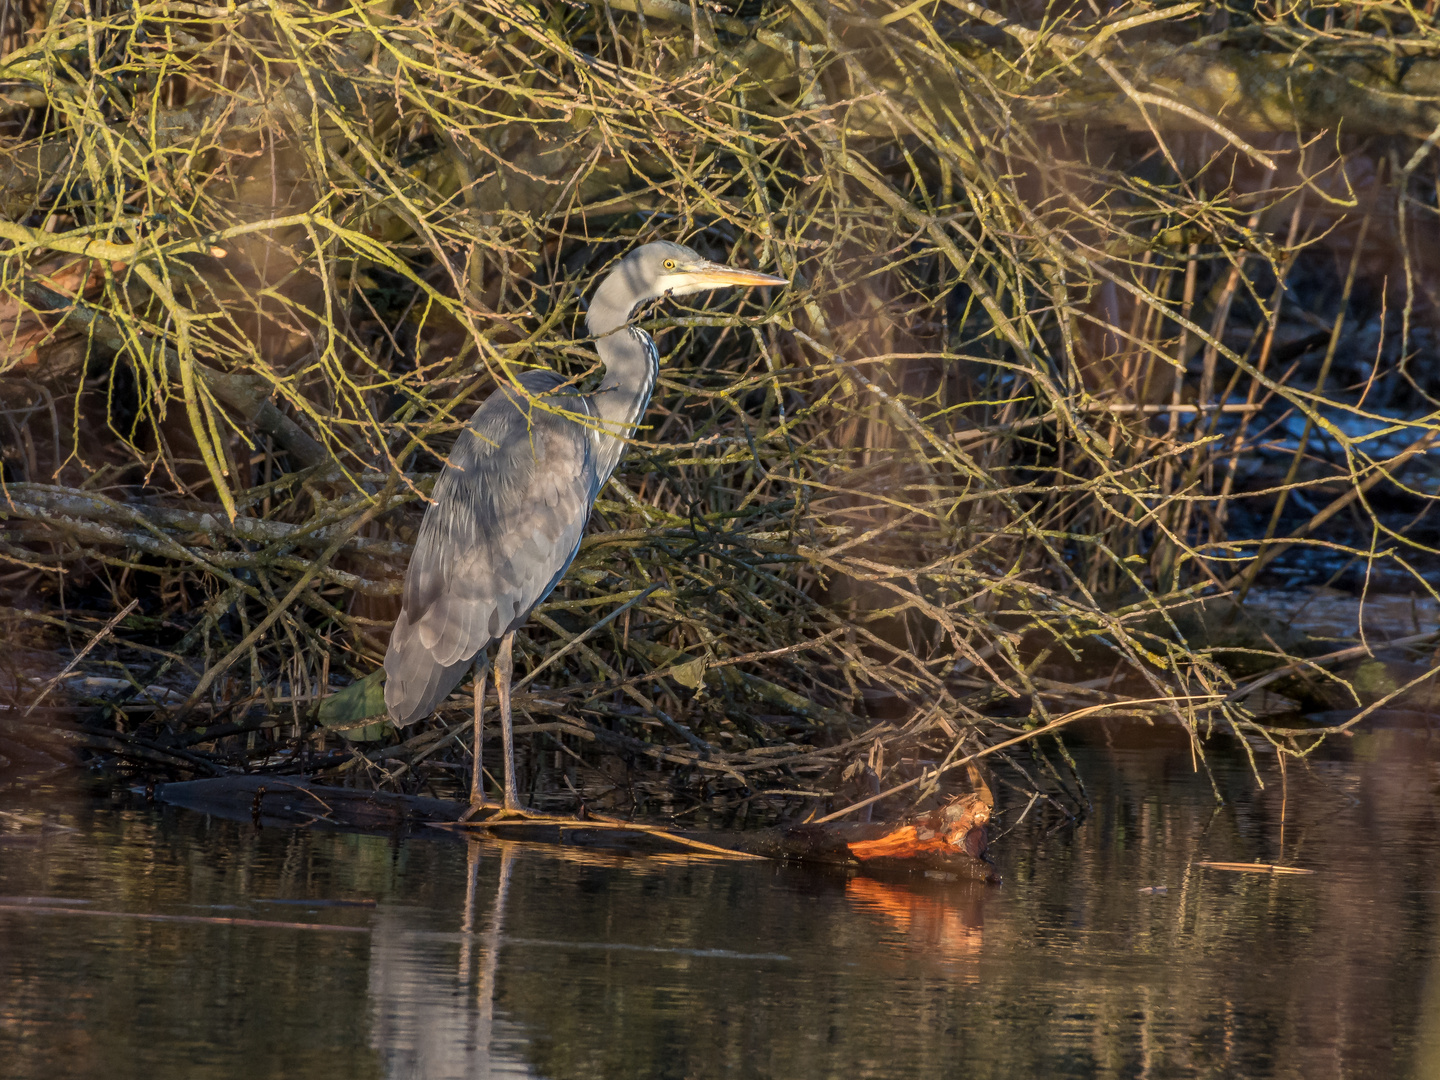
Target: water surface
(430,957)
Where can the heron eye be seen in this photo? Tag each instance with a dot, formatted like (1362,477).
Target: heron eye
(669,264)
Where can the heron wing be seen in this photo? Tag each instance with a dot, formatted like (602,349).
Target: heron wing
(508,513)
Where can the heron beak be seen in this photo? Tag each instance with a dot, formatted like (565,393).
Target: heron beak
(715,276)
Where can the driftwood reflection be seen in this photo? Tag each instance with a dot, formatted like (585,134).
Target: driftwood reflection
(948,928)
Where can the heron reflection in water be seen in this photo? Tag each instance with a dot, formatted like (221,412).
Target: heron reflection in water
(510,506)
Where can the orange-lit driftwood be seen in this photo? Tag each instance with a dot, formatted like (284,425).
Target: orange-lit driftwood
(951,838)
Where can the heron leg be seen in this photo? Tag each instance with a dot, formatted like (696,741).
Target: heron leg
(502,691)
(477,774)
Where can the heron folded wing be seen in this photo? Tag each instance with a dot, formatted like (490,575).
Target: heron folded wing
(507,519)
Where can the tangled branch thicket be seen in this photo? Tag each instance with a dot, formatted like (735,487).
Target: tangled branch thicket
(1102,323)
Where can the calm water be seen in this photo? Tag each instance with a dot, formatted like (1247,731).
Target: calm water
(472,960)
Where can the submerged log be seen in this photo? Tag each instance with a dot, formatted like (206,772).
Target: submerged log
(292,800)
(951,839)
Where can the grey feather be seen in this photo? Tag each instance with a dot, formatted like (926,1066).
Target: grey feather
(506,520)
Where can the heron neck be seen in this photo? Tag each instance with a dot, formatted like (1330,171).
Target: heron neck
(631,364)
(631,368)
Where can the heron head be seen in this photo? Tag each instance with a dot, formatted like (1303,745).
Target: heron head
(662,269)
(675,270)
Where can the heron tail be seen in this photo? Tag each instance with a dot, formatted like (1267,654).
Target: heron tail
(415,683)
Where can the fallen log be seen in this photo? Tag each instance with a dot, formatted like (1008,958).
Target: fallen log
(951,839)
(274,801)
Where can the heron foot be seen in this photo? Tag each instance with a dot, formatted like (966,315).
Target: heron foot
(495,812)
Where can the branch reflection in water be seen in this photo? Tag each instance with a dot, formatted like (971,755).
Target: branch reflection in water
(141,943)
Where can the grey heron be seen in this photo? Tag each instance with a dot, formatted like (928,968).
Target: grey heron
(509,509)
